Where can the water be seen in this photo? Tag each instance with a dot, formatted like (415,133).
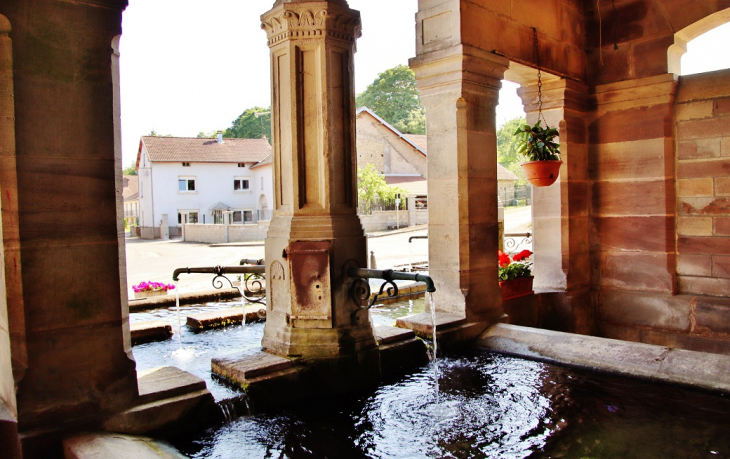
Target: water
(490,406)
(192,351)
(486,405)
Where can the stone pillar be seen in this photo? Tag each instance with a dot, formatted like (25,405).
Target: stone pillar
(11,291)
(315,230)
(77,366)
(460,90)
(560,212)
(412,210)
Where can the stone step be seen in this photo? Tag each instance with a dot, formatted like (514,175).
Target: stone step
(224,317)
(388,335)
(422,324)
(165,382)
(169,399)
(117,446)
(150,330)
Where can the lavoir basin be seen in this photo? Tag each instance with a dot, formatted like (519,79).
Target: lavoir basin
(484,405)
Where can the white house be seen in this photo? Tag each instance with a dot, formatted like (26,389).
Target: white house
(225,182)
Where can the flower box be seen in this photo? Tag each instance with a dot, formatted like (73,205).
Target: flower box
(515,288)
(150,293)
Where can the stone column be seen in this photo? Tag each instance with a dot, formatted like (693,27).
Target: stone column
(460,90)
(560,212)
(315,230)
(11,291)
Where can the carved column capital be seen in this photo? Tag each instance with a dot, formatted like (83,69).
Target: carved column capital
(311,20)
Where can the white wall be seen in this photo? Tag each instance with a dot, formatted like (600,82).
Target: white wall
(159,192)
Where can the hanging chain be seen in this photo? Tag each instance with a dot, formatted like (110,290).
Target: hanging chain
(539,77)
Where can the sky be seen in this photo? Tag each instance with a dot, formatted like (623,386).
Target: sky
(187,68)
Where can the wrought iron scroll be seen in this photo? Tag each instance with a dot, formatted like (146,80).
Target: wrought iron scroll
(512,241)
(360,292)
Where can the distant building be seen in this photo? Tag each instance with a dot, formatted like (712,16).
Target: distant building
(202,180)
(403,158)
(130,194)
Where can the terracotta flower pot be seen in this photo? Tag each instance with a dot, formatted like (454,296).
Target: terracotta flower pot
(150,293)
(542,173)
(516,288)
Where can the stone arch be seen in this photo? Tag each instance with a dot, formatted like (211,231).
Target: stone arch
(263,203)
(689,33)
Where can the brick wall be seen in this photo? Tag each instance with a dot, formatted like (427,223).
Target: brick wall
(703,184)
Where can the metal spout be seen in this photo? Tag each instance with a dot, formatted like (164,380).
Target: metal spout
(220,270)
(390,275)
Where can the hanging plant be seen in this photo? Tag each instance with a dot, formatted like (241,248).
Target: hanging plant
(536,143)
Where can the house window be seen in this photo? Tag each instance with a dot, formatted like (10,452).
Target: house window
(187,216)
(186,164)
(242,216)
(186,184)
(262,183)
(240,184)
(241,164)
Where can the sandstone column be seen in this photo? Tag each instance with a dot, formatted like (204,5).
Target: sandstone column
(560,211)
(315,229)
(460,88)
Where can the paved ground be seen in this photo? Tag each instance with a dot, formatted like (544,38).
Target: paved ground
(156,260)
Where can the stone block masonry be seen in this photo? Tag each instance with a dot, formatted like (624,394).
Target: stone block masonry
(703,184)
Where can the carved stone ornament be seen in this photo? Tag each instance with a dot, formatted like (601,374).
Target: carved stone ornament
(312,24)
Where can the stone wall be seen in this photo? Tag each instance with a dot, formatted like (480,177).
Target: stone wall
(703,184)
(381,221)
(220,234)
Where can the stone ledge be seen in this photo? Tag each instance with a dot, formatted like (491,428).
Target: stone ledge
(117,446)
(185,298)
(222,318)
(647,361)
(169,399)
(166,382)
(422,324)
(388,335)
(150,330)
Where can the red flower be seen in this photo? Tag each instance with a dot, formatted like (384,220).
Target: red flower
(504,260)
(522,255)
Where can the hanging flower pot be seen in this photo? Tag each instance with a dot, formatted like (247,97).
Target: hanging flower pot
(542,173)
(538,146)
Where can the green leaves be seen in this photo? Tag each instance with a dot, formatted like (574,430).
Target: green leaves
(371,189)
(250,126)
(395,98)
(536,143)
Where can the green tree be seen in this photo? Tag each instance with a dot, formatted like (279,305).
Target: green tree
(372,189)
(251,126)
(507,148)
(507,142)
(395,98)
(131,169)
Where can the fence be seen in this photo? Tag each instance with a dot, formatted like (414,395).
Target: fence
(367,208)
(518,195)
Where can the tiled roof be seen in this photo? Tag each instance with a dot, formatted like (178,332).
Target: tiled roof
(268,160)
(419,140)
(191,149)
(504,174)
(132,187)
(406,138)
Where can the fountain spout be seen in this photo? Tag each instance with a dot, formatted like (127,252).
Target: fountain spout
(252,261)
(220,271)
(360,290)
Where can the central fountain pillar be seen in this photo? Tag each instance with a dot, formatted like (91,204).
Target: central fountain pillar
(315,231)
